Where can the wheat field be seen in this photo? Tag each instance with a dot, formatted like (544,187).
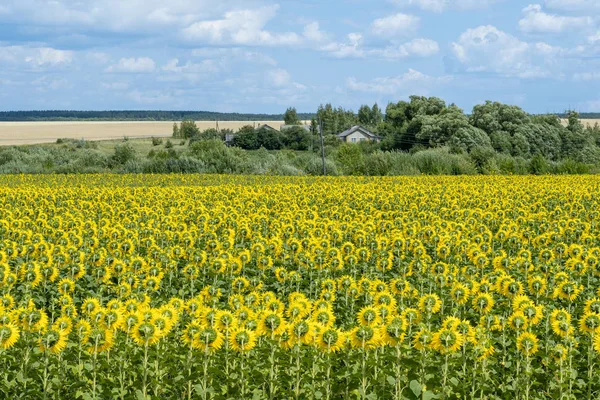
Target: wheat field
(16,133)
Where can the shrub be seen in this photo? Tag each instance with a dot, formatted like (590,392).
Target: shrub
(156,141)
(123,154)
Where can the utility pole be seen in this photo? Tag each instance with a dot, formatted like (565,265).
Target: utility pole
(322,146)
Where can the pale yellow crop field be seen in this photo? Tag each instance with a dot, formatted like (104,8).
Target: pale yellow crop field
(15,133)
(586,122)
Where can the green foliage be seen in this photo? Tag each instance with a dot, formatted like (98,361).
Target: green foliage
(290,117)
(538,165)
(297,138)
(123,154)
(188,129)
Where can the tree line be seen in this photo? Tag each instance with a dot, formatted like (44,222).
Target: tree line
(149,115)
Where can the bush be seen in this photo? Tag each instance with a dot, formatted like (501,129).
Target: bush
(123,154)
(441,162)
(156,141)
(572,167)
(378,164)
(538,165)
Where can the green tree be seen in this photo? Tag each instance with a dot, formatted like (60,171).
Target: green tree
(291,117)
(176,132)
(297,138)
(188,129)
(365,115)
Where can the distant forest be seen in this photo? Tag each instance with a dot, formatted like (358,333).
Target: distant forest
(66,115)
(139,116)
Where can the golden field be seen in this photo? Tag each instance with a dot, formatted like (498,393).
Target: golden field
(17,133)
(239,287)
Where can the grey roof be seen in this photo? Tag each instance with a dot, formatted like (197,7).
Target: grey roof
(357,128)
(303,126)
(265,126)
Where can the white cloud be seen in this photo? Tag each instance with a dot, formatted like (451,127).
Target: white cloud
(573,5)
(313,33)
(441,5)
(537,21)
(395,25)
(204,66)
(138,16)
(280,78)
(488,49)
(354,48)
(241,27)
(133,65)
(234,53)
(594,38)
(36,57)
(416,48)
(587,76)
(412,80)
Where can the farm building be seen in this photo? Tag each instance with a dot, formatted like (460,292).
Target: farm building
(357,134)
(283,128)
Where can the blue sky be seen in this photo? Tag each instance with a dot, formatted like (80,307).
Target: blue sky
(263,56)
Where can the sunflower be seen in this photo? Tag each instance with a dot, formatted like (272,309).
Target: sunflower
(590,323)
(225,320)
(208,339)
(63,324)
(559,353)
(191,333)
(422,339)
(323,318)
(527,343)
(518,321)
(483,303)
(430,303)
(271,323)
(592,306)
(393,333)
(447,340)
(365,337)
(368,316)
(9,334)
(301,332)
(242,340)
(99,340)
(411,315)
(145,333)
(330,340)
(53,340)
(562,328)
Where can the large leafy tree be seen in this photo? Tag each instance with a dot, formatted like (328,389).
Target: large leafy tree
(291,117)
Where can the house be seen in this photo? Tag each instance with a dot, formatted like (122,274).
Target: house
(283,128)
(358,134)
(265,126)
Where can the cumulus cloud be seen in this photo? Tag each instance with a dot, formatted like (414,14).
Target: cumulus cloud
(412,80)
(537,21)
(281,78)
(133,65)
(442,5)
(354,47)
(488,49)
(36,57)
(395,25)
(241,27)
(573,5)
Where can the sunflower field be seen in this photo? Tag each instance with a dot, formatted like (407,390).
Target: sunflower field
(223,287)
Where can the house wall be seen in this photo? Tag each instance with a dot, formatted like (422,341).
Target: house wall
(357,136)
